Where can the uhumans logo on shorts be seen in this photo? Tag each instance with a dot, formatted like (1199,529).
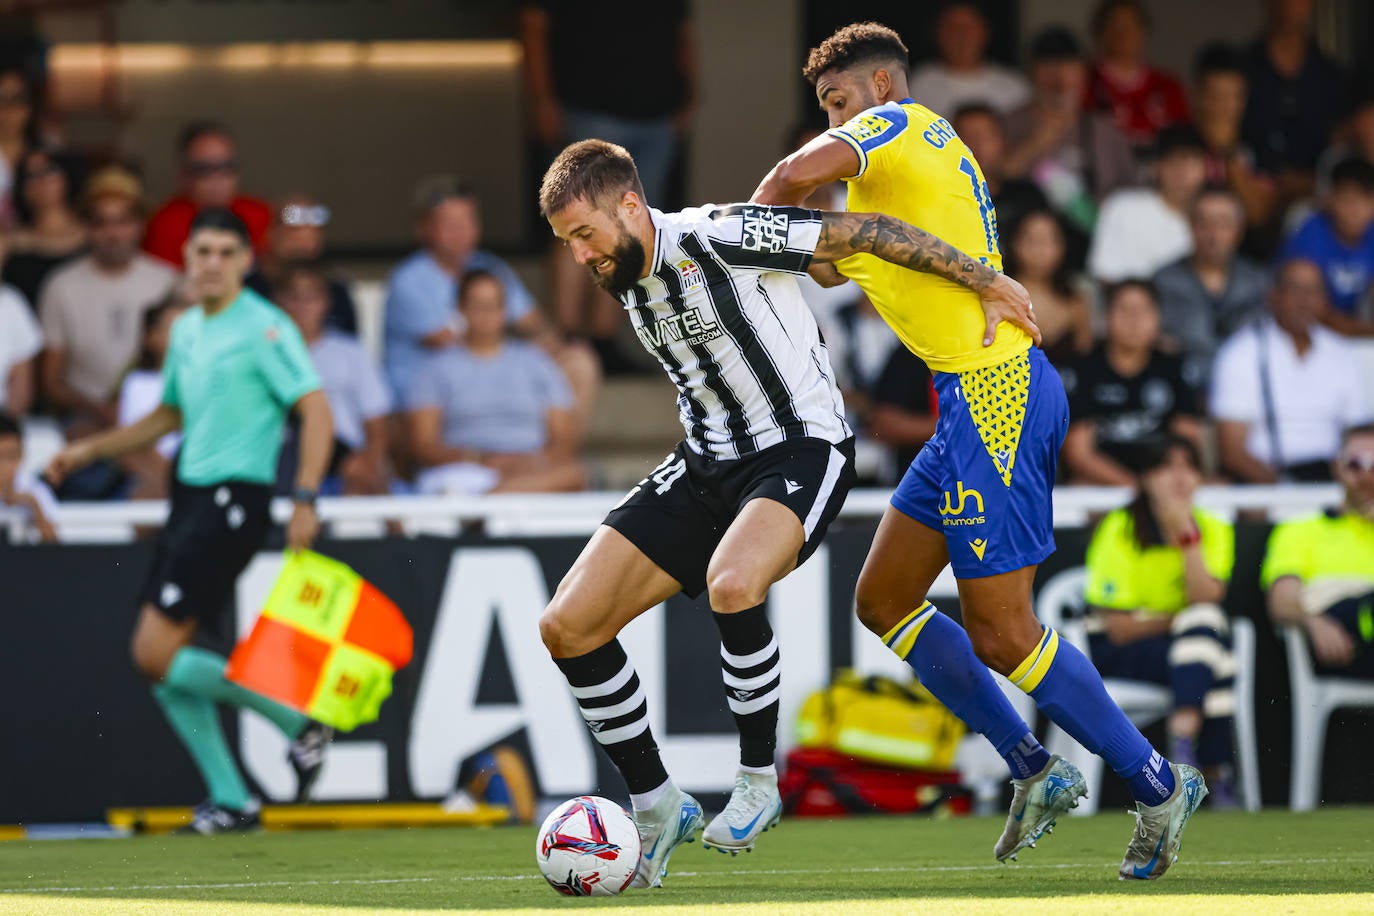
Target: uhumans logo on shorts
(952,514)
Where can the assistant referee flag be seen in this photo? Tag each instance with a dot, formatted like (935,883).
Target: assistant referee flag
(326,643)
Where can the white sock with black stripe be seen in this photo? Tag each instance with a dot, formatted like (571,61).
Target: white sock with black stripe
(614,707)
(751,667)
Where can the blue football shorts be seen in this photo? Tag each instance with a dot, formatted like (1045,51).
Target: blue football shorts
(985,478)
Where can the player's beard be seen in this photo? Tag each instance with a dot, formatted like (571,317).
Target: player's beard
(627,263)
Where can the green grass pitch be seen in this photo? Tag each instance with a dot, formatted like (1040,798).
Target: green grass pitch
(1278,862)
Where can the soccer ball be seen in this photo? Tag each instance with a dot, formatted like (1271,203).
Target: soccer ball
(588,847)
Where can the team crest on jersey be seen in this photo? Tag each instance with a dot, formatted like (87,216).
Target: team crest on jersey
(690,274)
(866,127)
(764,230)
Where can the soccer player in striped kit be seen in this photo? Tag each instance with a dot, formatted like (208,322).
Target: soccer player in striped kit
(747,495)
(977,497)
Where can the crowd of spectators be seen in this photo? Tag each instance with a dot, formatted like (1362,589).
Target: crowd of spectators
(1200,252)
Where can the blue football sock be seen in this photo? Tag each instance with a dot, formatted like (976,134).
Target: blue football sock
(940,653)
(1068,688)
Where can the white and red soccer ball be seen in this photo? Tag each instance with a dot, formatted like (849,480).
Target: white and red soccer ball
(588,847)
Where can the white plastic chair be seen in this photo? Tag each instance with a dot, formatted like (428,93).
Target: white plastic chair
(1145,703)
(1314,699)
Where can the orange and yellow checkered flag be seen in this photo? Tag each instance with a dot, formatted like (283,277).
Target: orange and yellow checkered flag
(326,643)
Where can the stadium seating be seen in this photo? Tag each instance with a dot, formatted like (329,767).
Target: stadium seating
(1314,699)
(1060,605)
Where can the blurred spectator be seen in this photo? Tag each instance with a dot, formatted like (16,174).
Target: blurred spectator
(962,75)
(20,342)
(1125,393)
(23,492)
(1209,295)
(572,52)
(1141,97)
(1284,388)
(1036,256)
(1219,93)
(1356,141)
(1296,95)
(859,343)
(209,172)
(1075,156)
(150,470)
(358,396)
(50,230)
(1142,229)
(18,102)
(981,128)
(1320,570)
(421,292)
(92,309)
(1157,572)
(297,236)
(491,413)
(902,411)
(1340,240)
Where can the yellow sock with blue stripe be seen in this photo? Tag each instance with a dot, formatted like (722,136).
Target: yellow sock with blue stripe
(1064,683)
(940,653)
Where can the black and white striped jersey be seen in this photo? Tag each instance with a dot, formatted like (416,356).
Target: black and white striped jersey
(722,312)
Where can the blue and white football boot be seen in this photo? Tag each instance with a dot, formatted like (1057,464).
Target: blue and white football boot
(1159,828)
(674,820)
(754,806)
(1036,803)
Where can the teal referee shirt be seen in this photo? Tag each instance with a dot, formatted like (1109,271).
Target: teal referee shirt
(234,376)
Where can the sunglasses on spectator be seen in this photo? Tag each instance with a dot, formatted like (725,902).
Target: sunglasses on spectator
(99,222)
(204,168)
(1360,461)
(295,215)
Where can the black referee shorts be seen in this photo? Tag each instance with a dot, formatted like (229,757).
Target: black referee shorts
(679,513)
(210,537)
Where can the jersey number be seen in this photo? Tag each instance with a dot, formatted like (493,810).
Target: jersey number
(985,207)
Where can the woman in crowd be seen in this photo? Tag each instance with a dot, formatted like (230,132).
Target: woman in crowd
(1036,255)
(50,231)
(492,414)
(16,134)
(1125,393)
(1157,572)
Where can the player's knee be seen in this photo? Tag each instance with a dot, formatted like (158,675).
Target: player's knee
(875,607)
(147,661)
(563,636)
(993,649)
(733,590)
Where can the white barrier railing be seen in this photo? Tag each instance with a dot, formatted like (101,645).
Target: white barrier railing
(579,513)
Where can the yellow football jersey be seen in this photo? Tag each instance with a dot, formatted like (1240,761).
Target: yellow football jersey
(914,167)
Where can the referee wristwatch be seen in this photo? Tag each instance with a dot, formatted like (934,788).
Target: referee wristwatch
(305,496)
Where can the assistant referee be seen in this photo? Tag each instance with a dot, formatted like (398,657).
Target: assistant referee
(234,368)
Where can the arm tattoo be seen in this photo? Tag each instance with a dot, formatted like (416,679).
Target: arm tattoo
(892,240)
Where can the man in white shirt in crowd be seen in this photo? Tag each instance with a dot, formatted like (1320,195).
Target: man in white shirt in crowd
(1140,230)
(962,76)
(358,396)
(92,309)
(20,341)
(1284,388)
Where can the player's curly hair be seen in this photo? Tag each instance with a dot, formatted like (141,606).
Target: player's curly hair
(860,42)
(592,170)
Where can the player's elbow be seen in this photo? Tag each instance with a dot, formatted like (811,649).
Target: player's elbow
(787,183)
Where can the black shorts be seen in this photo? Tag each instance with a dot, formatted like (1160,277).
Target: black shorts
(210,537)
(679,513)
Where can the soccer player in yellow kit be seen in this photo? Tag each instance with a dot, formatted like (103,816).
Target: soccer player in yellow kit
(978,496)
